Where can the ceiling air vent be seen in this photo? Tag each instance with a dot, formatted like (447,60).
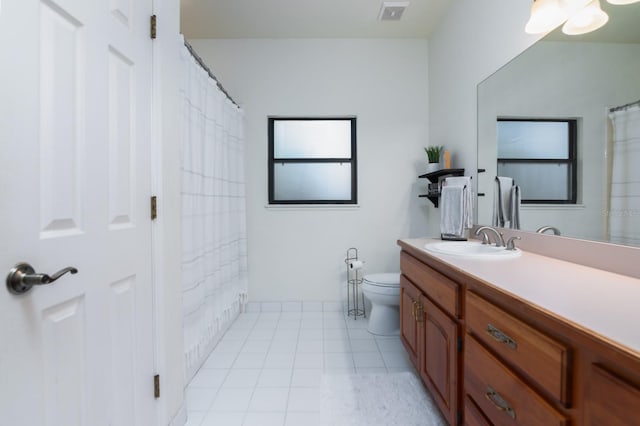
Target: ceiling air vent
(392,10)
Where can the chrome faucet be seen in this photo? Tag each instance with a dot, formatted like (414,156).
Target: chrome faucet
(544,229)
(485,238)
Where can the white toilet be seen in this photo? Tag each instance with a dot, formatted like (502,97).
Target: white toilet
(383,291)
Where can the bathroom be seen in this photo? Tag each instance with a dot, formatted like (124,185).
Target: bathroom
(407,93)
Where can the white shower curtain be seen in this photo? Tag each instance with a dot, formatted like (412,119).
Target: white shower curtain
(624,210)
(214,242)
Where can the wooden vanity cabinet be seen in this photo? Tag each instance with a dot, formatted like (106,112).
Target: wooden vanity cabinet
(431,332)
(490,358)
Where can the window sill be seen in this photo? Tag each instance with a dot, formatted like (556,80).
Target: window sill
(552,206)
(312,206)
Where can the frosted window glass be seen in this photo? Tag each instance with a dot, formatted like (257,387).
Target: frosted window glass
(533,139)
(539,181)
(312,138)
(312,181)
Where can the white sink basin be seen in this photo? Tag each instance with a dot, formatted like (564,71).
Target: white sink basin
(471,249)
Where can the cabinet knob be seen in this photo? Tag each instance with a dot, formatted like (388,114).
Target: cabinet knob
(501,337)
(498,401)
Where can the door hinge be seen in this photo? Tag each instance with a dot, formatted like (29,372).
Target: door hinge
(154,207)
(459,344)
(152,29)
(156,386)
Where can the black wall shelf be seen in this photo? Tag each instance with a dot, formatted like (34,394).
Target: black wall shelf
(436,177)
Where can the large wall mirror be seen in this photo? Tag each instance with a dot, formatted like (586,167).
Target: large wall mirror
(565,77)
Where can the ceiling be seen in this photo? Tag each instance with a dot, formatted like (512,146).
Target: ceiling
(306,19)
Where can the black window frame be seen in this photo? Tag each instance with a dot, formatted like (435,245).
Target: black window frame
(272,161)
(571,161)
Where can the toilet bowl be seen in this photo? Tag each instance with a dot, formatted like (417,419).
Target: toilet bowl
(383,291)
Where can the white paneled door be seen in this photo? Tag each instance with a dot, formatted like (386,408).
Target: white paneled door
(75,100)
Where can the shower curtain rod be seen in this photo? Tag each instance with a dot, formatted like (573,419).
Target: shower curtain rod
(620,108)
(206,68)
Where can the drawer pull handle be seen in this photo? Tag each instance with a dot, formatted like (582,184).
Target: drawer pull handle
(501,337)
(413,311)
(499,402)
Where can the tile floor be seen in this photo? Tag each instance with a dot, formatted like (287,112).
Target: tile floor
(267,368)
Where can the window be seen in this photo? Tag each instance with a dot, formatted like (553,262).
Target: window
(540,155)
(312,160)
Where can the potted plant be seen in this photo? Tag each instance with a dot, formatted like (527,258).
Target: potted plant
(433,154)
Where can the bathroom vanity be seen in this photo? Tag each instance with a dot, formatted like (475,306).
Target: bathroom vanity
(531,340)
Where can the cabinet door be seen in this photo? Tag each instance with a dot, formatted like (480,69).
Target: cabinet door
(409,330)
(611,400)
(439,358)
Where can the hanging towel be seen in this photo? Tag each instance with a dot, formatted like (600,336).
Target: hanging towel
(456,212)
(452,210)
(514,219)
(502,201)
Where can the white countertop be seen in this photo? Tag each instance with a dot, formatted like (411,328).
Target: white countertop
(603,302)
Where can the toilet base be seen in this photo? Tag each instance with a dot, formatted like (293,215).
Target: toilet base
(384,320)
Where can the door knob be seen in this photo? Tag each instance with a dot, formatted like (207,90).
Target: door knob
(22,277)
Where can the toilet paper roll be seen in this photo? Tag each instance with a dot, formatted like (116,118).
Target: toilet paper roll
(355,265)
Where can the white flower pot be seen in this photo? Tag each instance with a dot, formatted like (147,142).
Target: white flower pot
(433,167)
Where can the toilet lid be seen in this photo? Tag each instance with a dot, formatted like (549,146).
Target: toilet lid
(383,280)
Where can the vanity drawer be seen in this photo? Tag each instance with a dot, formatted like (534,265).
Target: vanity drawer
(437,287)
(503,398)
(535,354)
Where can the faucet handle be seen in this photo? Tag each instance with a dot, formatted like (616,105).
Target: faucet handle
(511,244)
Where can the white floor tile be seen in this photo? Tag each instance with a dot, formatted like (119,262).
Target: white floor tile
(310,334)
(256,346)
(274,378)
(291,307)
(252,307)
(309,346)
(288,324)
(312,314)
(371,370)
(199,399)
(277,359)
(306,378)
(363,345)
(220,360)
(269,315)
(249,360)
(285,344)
(308,360)
(194,418)
(266,324)
(218,418)
(368,359)
(232,399)
(236,334)
(334,323)
(390,345)
(312,306)
(227,346)
(269,399)
(359,322)
(337,345)
(359,333)
(285,333)
(334,361)
(291,314)
(261,334)
(241,378)
(209,378)
(335,333)
(264,419)
(396,359)
(267,307)
(304,399)
(302,419)
(311,323)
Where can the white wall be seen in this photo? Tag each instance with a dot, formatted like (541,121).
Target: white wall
(297,254)
(474,40)
(561,80)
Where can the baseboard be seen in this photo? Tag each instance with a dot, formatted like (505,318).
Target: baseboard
(295,306)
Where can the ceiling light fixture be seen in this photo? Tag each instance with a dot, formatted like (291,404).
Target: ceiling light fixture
(579,16)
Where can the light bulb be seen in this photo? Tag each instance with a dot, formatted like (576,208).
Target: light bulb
(586,20)
(545,16)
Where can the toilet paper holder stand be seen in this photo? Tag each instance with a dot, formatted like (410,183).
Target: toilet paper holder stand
(355,298)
